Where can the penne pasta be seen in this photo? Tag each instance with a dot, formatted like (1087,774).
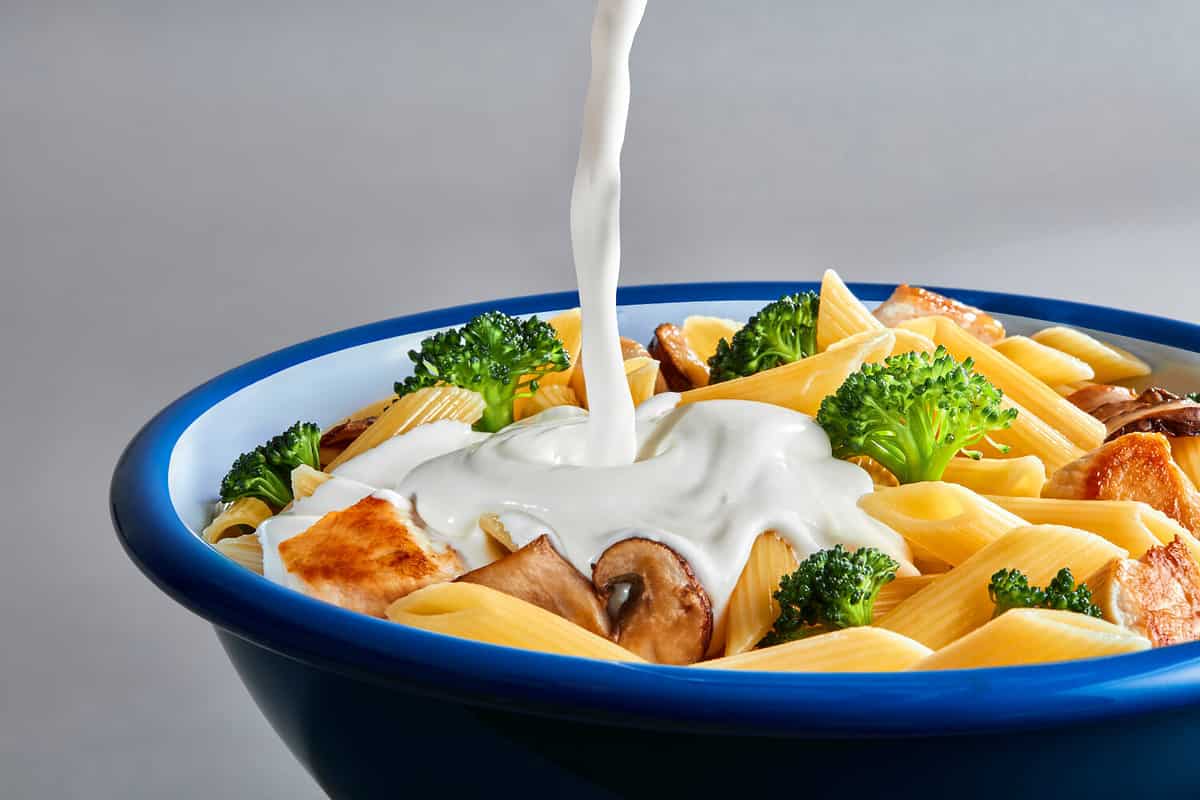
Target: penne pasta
(944,519)
(569,327)
(880,475)
(1186,452)
(473,611)
(424,405)
(703,334)
(305,481)
(1128,524)
(245,550)
(641,374)
(371,410)
(911,342)
(245,512)
(1108,363)
(958,603)
(803,384)
(1030,436)
(752,607)
(897,590)
(1035,636)
(842,314)
(863,649)
(1030,394)
(1022,476)
(1050,366)
(544,398)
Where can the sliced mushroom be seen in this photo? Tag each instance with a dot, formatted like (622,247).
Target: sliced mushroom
(1090,398)
(538,574)
(680,366)
(1153,411)
(339,437)
(667,617)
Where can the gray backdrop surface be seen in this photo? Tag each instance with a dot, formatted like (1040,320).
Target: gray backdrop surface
(184,186)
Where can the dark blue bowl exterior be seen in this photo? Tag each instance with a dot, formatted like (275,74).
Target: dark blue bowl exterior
(331,681)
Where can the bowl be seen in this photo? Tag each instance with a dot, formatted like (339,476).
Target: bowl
(373,708)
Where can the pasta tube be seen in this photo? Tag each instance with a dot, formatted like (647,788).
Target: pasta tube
(474,611)
(842,314)
(863,649)
(752,606)
(957,602)
(1108,363)
(245,512)
(245,550)
(703,334)
(944,519)
(1029,435)
(544,398)
(1050,366)
(305,481)
(1023,476)
(898,590)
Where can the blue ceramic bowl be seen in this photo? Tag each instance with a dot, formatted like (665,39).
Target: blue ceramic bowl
(373,708)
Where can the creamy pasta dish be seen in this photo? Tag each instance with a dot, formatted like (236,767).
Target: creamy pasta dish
(819,487)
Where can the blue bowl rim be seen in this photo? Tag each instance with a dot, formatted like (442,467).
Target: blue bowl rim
(845,704)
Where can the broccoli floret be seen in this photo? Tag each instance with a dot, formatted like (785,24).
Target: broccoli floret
(1010,589)
(913,413)
(299,444)
(499,356)
(780,333)
(1193,396)
(831,589)
(252,476)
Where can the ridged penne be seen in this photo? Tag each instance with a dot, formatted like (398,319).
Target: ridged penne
(544,398)
(752,608)
(1108,363)
(703,333)
(473,611)
(946,520)
(803,384)
(911,342)
(957,602)
(864,649)
(1050,366)
(305,480)
(1029,435)
(841,313)
(1186,452)
(641,373)
(424,405)
(245,512)
(1035,636)
(1021,476)
(1128,524)
(897,590)
(569,327)
(880,475)
(245,550)
(1081,428)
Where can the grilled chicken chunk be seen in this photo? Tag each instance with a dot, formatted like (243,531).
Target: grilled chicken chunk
(366,556)
(913,302)
(1137,466)
(1157,596)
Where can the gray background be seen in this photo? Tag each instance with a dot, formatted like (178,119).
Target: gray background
(186,185)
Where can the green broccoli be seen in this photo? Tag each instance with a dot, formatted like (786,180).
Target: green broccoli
(780,333)
(1010,589)
(831,589)
(499,356)
(265,472)
(913,413)
(1193,396)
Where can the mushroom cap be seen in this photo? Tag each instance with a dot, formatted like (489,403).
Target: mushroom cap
(1090,398)
(668,617)
(1153,411)
(678,364)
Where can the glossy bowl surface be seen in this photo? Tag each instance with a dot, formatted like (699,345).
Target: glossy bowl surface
(164,485)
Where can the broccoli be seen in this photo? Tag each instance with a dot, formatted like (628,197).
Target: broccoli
(1193,396)
(913,413)
(1010,589)
(831,589)
(780,333)
(499,356)
(265,472)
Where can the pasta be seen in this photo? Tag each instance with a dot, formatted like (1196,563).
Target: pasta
(898,590)
(1128,524)
(864,649)
(545,397)
(245,512)
(1030,435)
(1108,363)
(703,334)
(472,611)
(641,373)
(911,342)
(801,385)
(305,480)
(1021,476)
(424,405)
(245,550)
(957,603)
(1033,636)
(1186,452)
(1048,365)
(946,520)
(752,609)
(569,327)
(842,315)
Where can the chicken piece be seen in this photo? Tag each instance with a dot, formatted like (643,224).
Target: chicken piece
(1137,466)
(1157,596)
(366,556)
(681,367)
(913,302)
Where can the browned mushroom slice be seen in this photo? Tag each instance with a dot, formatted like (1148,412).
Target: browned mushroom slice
(680,366)
(538,574)
(1156,596)
(1098,395)
(913,302)
(667,617)
(339,437)
(1153,411)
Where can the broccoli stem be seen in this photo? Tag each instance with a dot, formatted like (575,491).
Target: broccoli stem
(498,409)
